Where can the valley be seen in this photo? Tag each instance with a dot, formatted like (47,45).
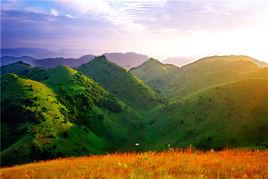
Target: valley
(101,107)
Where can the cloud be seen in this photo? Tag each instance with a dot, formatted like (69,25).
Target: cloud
(54,12)
(173,27)
(10,4)
(32,29)
(37,10)
(69,16)
(118,12)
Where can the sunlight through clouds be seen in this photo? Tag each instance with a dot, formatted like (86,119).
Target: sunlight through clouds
(158,28)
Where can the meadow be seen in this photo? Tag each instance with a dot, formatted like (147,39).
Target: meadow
(228,163)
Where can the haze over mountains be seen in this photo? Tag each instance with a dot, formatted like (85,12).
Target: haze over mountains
(178,61)
(99,107)
(47,58)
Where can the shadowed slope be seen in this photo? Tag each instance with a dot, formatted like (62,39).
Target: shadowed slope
(157,75)
(120,83)
(231,114)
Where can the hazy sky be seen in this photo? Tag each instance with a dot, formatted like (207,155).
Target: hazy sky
(159,28)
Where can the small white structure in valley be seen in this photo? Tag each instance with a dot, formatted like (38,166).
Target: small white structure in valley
(137,144)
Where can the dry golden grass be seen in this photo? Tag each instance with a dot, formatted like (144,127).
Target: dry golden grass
(169,164)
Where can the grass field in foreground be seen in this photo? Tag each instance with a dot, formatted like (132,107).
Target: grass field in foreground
(169,164)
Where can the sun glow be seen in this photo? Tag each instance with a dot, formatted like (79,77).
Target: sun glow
(250,41)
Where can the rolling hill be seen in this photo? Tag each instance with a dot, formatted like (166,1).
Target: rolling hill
(211,71)
(158,76)
(31,118)
(87,103)
(231,114)
(208,71)
(100,107)
(18,67)
(121,83)
(60,113)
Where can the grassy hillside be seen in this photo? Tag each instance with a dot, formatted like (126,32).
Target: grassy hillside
(18,67)
(216,102)
(211,71)
(232,114)
(96,121)
(157,75)
(31,119)
(91,105)
(208,71)
(121,83)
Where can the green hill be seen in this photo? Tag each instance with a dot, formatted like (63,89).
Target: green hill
(18,67)
(90,105)
(208,71)
(215,102)
(212,71)
(31,119)
(121,83)
(64,114)
(231,114)
(157,75)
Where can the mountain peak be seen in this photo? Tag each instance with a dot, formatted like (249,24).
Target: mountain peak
(153,60)
(102,57)
(64,68)
(120,82)
(228,58)
(151,64)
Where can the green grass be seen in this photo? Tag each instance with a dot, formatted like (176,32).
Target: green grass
(211,71)
(18,67)
(177,82)
(65,113)
(232,114)
(121,83)
(157,75)
(29,108)
(215,102)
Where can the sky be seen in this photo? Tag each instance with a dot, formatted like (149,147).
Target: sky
(158,28)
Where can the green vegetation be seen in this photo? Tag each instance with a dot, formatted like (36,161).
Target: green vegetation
(216,102)
(31,119)
(158,76)
(18,67)
(121,83)
(211,71)
(67,114)
(228,115)
(208,71)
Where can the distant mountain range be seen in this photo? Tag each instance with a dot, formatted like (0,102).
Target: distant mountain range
(32,52)
(127,60)
(178,61)
(47,58)
(46,62)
